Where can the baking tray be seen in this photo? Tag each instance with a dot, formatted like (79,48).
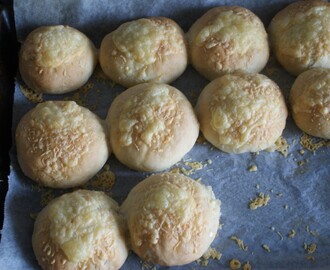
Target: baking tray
(298,213)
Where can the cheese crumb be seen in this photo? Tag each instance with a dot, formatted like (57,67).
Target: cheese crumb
(103,181)
(261,200)
(281,145)
(312,143)
(31,95)
(292,233)
(234,264)
(265,247)
(247,266)
(239,242)
(253,168)
(310,249)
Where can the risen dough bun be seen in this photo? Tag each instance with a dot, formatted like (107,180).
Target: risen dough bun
(228,39)
(152,126)
(145,50)
(61,144)
(310,101)
(56,59)
(300,36)
(242,112)
(80,230)
(172,219)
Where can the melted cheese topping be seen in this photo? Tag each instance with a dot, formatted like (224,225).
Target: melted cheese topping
(79,220)
(244,108)
(304,35)
(52,46)
(58,134)
(314,96)
(144,42)
(235,31)
(169,206)
(149,116)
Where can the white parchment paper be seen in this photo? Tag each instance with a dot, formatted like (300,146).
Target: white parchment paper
(298,185)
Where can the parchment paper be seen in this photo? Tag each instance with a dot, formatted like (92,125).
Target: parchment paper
(298,185)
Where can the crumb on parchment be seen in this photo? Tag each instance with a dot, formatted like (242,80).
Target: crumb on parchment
(281,145)
(247,266)
(239,242)
(261,200)
(31,95)
(253,168)
(312,143)
(234,264)
(265,247)
(292,233)
(211,253)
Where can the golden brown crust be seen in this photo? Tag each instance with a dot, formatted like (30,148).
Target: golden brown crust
(80,230)
(152,126)
(61,144)
(146,50)
(171,218)
(228,39)
(310,102)
(241,112)
(56,59)
(300,35)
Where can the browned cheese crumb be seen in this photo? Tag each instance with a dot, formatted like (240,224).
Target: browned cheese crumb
(310,249)
(261,200)
(247,266)
(104,180)
(31,95)
(301,151)
(80,96)
(265,247)
(239,242)
(234,264)
(312,143)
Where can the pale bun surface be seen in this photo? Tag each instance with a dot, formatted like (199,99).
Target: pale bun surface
(61,144)
(172,219)
(242,112)
(56,59)
(145,50)
(80,230)
(300,36)
(152,126)
(310,102)
(228,39)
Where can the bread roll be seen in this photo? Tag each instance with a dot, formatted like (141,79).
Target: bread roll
(310,102)
(228,39)
(56,59)
(172,219)
(152,126)
(61,144)
(241,112)
(80,230)
(145,50)
(300,36)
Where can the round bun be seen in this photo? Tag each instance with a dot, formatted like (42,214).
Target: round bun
(241,112)
(146,50)
(80,230)
(310,102)
(152,126)
(228,39)
(61,144)
(300,36)
(172,219)
(56,59)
